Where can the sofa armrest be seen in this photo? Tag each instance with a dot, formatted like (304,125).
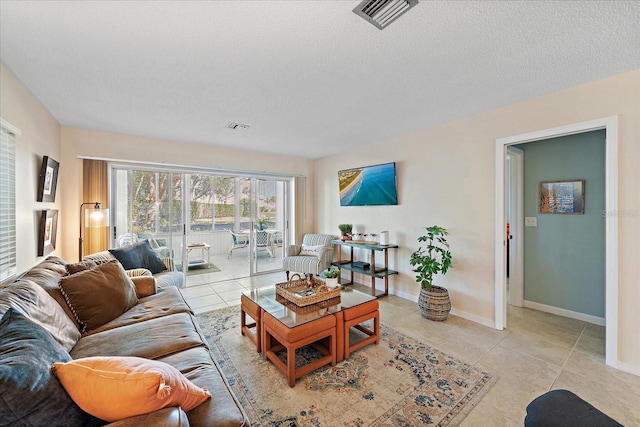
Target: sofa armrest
(326,256)
(137,272)
(292,250)
(145,285)
(167,417)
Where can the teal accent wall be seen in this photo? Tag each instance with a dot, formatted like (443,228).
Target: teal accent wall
(564,256)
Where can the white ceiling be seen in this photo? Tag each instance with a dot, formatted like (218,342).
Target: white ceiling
(310,77)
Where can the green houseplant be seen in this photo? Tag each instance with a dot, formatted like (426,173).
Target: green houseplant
(346,229)
(431,258)
(331,275)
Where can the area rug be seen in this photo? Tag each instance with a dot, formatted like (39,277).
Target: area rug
(400,382)
(200,269)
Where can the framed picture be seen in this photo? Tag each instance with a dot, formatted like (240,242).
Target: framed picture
(48,180)
(47,231)
(561,197)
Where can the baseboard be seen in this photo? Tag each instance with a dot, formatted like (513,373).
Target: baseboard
(631,369)
(406,296)
(474,318)
(465,315)
(566,313)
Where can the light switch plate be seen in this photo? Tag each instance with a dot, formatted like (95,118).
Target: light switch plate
(530,221)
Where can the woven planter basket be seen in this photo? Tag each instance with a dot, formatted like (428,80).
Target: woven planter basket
(434,303)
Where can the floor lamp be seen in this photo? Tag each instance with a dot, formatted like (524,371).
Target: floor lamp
(96,217)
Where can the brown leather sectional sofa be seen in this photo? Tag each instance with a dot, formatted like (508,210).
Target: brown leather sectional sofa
(161,327)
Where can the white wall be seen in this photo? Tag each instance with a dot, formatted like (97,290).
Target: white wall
(40,137)
(446,177)
(81,142)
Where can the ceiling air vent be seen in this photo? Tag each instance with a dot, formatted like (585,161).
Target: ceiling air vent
(383,12)
(237,126)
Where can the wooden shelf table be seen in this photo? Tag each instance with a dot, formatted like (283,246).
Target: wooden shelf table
(374,271)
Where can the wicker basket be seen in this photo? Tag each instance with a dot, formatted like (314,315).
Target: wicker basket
(434,303)
(308,308)
(300,293)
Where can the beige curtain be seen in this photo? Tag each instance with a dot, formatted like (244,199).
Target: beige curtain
(95,188)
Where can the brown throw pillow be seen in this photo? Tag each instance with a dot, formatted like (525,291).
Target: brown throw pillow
(87,264)
(99,295)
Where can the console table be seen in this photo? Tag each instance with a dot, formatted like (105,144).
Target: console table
(374,271)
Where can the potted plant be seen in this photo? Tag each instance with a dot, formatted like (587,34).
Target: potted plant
(331,275)
(262,222)
(345,229)
(432,258)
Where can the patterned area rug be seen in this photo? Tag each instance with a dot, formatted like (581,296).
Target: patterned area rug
(400,382)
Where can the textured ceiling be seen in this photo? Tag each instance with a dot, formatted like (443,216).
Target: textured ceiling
(310,77)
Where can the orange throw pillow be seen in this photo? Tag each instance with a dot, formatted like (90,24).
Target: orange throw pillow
(114,388)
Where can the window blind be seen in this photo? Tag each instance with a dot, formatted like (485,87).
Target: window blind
(7,204)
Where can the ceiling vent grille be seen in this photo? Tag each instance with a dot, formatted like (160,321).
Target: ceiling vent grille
(237,126)
(383,12)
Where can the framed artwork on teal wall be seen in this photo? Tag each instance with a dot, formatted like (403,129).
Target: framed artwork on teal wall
(561,197)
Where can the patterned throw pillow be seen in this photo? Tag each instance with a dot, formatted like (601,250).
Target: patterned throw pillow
(311,250)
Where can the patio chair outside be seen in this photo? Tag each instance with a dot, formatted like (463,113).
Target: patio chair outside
(264,242)
(240,240)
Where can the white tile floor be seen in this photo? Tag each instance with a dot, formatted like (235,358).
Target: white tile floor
(212,291)
(536,353)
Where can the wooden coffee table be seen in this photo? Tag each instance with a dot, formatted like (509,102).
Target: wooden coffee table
(281,325)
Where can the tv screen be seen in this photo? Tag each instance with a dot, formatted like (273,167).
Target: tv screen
(368,186)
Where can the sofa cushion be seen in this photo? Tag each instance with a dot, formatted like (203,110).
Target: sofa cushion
(33,302)
(113,388)
(139,255)
(170,278)
(150,339)
(29,394)
(165,302)
(47,274)
(99,295)
(80,266)
(198,366)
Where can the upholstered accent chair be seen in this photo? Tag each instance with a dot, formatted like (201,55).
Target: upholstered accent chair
(313,256)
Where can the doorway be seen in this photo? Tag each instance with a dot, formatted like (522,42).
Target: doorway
(514,235)
(610,125)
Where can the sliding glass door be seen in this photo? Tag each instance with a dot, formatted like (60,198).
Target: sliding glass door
(149,205)
(269,224)
(233,224)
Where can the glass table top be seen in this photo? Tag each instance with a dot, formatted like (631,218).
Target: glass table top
(292,315)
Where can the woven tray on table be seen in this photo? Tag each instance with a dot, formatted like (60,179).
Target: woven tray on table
(300,293)
(308,308)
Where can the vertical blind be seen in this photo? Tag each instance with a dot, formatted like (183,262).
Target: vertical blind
(7,204)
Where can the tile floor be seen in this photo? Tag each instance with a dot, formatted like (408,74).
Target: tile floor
(536,353)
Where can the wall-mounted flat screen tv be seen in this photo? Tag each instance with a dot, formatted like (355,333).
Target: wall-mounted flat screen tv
(368,186)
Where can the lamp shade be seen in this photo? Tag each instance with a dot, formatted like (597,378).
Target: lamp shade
(96,217)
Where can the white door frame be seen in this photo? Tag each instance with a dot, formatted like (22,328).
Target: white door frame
(610,124)
(516,245)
